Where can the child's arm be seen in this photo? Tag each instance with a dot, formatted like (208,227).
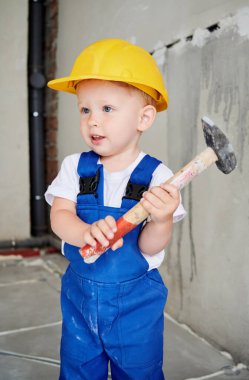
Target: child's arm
(161,203)
(70,228)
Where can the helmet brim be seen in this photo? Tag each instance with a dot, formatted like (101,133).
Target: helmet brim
(67,84)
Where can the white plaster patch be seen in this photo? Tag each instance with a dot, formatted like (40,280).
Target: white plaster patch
(227,355)
(239,22)
(242,20)
(226,371)
(160,53)
(224,24)
(200,37)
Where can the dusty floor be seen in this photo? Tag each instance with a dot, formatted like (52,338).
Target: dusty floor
(31,322)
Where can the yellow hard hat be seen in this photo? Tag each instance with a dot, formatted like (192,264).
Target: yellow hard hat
(116,60)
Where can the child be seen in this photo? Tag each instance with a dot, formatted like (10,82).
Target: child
(112,309)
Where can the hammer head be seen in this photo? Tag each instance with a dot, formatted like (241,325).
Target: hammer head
(216,140)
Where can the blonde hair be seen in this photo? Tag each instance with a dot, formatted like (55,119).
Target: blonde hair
(148,100)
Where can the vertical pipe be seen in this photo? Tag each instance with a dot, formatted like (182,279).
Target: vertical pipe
(36,84)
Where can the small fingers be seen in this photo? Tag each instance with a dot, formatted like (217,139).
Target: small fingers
(156,197)
(111,222)
(89,239)
(118,244)
(160,195)
(171,189)
(101,233)
(161,201)
(103,230)
(147,205)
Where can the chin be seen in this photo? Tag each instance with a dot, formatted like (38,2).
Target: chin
(99,151)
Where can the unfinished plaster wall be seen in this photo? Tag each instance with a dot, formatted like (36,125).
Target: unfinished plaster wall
(207,265)
(14,151)
(145,22)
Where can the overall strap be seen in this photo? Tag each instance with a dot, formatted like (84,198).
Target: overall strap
(139,181)
(91,179)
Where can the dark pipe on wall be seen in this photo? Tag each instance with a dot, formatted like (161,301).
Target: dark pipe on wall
(36,84)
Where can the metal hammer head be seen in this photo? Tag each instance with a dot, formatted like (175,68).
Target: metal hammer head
(216,140)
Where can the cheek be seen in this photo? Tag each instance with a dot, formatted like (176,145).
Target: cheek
(124,136)
(117,134)
(83,130)
(82,125)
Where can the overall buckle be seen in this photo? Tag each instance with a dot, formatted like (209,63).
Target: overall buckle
(88,185)
(135,191)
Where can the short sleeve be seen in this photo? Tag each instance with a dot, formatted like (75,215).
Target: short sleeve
(66,183)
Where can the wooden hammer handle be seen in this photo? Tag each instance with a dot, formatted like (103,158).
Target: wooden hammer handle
(138,214)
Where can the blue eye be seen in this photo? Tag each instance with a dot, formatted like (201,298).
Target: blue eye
(85,110)
(107,109)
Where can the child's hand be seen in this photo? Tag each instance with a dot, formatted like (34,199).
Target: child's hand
(161,202)
(102,231)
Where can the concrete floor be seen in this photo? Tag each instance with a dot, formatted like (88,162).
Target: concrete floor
(31,322)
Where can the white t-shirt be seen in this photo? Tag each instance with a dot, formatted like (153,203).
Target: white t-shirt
(66,185)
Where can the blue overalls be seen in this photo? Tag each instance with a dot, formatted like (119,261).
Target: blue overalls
(113,308)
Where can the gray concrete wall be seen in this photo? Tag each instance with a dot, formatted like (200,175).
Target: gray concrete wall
(14,155)
(206,266)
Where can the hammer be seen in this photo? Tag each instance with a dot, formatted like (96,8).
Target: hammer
(219,150)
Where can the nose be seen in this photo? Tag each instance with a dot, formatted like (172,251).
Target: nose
(93,120)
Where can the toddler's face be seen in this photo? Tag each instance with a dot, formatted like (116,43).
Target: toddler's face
(110,116)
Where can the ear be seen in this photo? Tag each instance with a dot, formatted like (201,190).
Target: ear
(147,117)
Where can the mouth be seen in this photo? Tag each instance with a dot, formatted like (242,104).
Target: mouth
(97,139)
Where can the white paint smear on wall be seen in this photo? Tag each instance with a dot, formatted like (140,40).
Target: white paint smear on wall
(239,22)
(200,37)
(242,20)
(160,53)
